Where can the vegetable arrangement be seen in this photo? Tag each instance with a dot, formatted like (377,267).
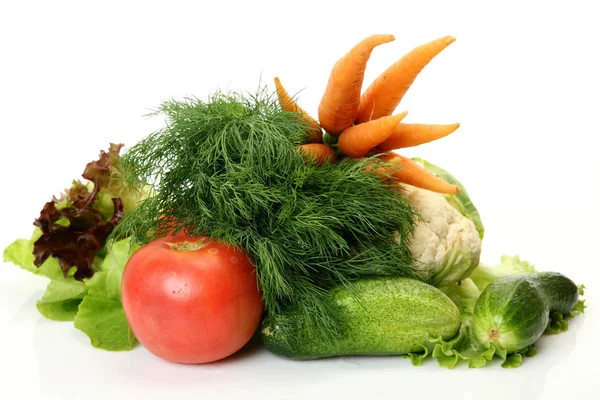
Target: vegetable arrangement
(246,215)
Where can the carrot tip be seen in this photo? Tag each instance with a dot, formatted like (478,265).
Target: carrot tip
(389,37)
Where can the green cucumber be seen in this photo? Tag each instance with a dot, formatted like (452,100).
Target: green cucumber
(377,316)
(513,312)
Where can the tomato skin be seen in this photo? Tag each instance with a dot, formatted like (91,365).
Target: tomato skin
(191,305)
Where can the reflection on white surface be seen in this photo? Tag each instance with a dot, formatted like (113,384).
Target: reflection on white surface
(23,313)
(67,366)
(48,359)
(54,360)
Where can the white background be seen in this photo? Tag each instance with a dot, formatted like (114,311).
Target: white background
(522,79)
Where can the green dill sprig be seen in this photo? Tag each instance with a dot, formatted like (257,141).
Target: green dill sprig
(228,168)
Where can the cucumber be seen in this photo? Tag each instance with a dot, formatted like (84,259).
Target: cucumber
(377,316)
(513,312)
(561,293)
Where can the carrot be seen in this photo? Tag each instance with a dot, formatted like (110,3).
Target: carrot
(413,174)
(340,102)
(319,152)
(288,104)
(382,97)
(358,140)
(408,135)
(380,169)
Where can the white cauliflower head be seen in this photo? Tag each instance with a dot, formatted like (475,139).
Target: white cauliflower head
(446,244)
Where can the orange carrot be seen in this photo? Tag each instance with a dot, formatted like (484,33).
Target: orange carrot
(382,97)
(358,140)
(288,104)
(413,174)
(383,170)
(320,152)
(340,102)
(408,135)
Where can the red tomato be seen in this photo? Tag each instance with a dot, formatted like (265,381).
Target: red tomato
(191,299)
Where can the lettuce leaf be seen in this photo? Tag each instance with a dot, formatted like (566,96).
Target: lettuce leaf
(63,294)
(61,300)
(94,304)
(20,253)
(118,254)
(75,226)
(509,265)
(558,322)
(69,247)
(101,316)
(465,348)
(104,322)
(74,229)
(77,244)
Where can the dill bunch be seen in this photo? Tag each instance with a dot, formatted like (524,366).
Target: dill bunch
(228,168)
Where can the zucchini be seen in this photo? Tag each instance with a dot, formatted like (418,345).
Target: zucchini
(514,311)
(376,316)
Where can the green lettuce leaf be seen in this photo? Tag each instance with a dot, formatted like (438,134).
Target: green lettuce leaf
(104,322)
(465,348)
(558,323)
(514,360)
(118,254)
(63,294)
(69,247)
(61,300)
(94,304)
(20,253)
(101,316)
(579,309)
(509,265)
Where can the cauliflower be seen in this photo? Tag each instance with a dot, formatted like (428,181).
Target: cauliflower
(446,244)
